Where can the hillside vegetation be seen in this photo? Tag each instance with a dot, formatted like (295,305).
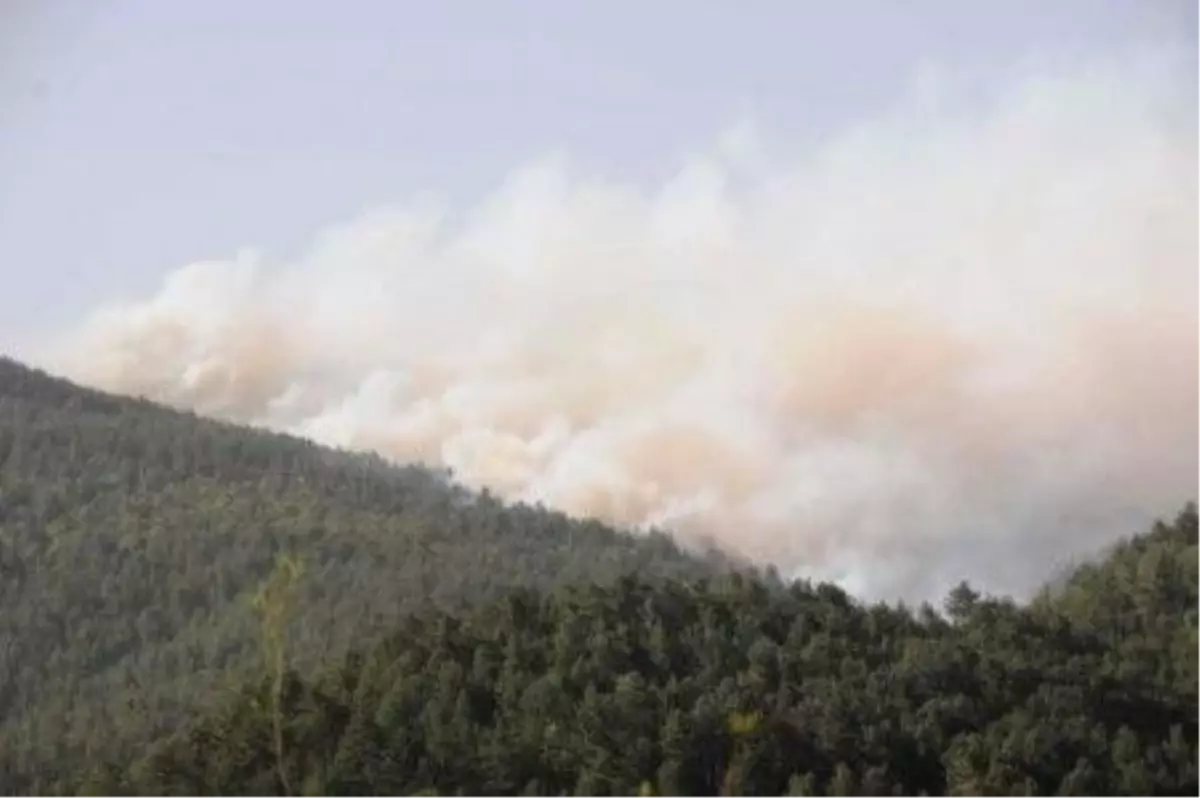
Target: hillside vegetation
(199,608)
(133,539)
(732,687)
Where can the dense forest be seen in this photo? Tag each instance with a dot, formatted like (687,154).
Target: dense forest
(198,608)
(731,686)
(133,540)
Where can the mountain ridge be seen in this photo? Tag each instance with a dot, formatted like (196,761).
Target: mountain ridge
(133,536)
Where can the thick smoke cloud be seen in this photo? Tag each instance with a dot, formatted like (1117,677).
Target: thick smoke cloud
(959,341)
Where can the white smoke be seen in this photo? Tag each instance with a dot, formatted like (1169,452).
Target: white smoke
(957,342)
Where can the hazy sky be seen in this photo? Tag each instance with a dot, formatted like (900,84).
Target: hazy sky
(139,135)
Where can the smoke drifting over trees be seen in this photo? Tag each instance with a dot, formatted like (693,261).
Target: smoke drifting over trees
(929,348)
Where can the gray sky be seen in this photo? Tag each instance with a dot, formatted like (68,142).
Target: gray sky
(139,135)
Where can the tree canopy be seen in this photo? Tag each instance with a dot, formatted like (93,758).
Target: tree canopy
(134,538)
(193,607)
(731,686)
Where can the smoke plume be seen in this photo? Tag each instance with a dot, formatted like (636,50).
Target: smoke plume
(959,341)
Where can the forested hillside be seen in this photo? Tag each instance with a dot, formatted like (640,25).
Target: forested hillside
(731,687)
(197,608)
(133,539)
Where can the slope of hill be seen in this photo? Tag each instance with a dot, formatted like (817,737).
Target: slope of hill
(1141,601)
(730,687)
(133,537)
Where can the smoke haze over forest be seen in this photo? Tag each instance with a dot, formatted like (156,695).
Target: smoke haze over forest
(957,340)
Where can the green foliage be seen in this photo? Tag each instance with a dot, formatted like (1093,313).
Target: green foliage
(727,687)
(160,637)
(274,600)
(133,540)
